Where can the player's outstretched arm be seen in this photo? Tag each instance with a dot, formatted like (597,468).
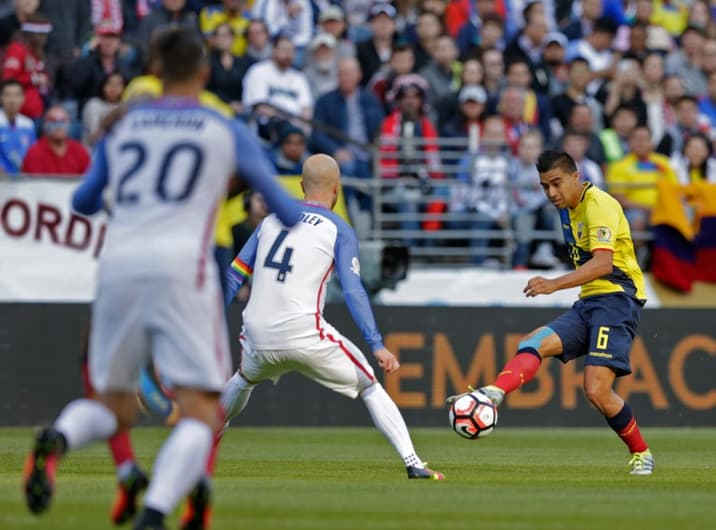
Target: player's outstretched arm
(348,271)
(241,268)
(600,264)
(255,170)
(87,198)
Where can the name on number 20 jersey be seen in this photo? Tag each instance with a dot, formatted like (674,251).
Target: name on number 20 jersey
(166,165)
(291,269)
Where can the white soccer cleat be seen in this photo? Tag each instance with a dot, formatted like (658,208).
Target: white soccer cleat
(641,463)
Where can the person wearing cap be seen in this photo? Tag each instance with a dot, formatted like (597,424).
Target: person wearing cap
(553,65)
(55,153)
(332,20)
(409,149)
(86,75)
(467,123)
(322,64)
(375,52)
(290,151)
(230,12)
(25,61)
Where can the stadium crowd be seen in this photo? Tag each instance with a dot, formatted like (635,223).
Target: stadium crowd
(626,87)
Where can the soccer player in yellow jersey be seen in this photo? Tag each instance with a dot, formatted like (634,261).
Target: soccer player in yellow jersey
(602,323)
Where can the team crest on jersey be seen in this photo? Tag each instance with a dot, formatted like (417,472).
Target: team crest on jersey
(580,227)
(604,234)
(355,266)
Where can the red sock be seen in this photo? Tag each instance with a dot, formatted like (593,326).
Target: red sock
(626,428)
(519,370)
(121,447)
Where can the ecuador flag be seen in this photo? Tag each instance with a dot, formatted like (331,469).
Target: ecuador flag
(704,199)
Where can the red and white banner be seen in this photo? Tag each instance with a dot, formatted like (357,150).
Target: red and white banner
(47,252)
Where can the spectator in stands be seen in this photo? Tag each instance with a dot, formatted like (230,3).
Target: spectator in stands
(707,102)
(632,181)
(227,71)
(230,13)
(553,65)
(275,82)
(511,110)
(88,73)
(170,12)
(332,20)
(322,64)
(700,15)
(17,132)
(25,61)
(409,150)
(377,51)
(688,122)
(427,31)
(442,71)
(575,144)
(625,91)
(467,123)
(527,47)
(401,63)
(582,120)
(685,61)
(657,37)
(71,25)
(11,22)
(695,163)
(537,111)
(357,115)
(256,210)
(615,140)
(654,96)
(55,153)
(490,33)
(574,93)
(447,107)
(596,48)
(258,43)
(483,193)
(530,209)
(290,153)
(289,18)
(108,98)
(578,28)
(493,66)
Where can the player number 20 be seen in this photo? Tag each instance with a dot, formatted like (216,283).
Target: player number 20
(602,337)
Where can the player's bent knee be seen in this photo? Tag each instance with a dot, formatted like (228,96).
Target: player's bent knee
(543,342)
(124,406)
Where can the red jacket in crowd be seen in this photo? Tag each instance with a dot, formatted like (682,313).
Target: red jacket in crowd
(22,64)
(40,158)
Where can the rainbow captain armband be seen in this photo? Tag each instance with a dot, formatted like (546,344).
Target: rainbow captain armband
(242,269)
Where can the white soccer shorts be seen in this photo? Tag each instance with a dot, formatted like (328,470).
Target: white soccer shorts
(332,361)
(181,328)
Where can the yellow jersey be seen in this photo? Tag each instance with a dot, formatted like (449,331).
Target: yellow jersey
(150,85)
(212,17)
(598,223)
(636,179)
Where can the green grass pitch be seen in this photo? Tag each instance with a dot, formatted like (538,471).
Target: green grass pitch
(340,478)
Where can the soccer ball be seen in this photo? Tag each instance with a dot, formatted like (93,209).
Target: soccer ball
(473,416)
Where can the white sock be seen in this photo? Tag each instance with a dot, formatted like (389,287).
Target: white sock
(235,396)
(84,421)
(389,421)
(180,464)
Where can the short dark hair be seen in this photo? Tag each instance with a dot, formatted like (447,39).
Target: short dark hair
(687,98)
(550,160)
(180,52)
(10,82)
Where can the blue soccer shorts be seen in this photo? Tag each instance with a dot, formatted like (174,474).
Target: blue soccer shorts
(601,328)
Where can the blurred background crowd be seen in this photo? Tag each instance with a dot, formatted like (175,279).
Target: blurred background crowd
(438,109)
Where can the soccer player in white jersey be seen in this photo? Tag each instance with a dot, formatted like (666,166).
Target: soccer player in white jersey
(283,325)
(166,166)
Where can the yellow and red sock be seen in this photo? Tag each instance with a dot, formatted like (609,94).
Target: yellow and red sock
(519,370)
(626,428)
